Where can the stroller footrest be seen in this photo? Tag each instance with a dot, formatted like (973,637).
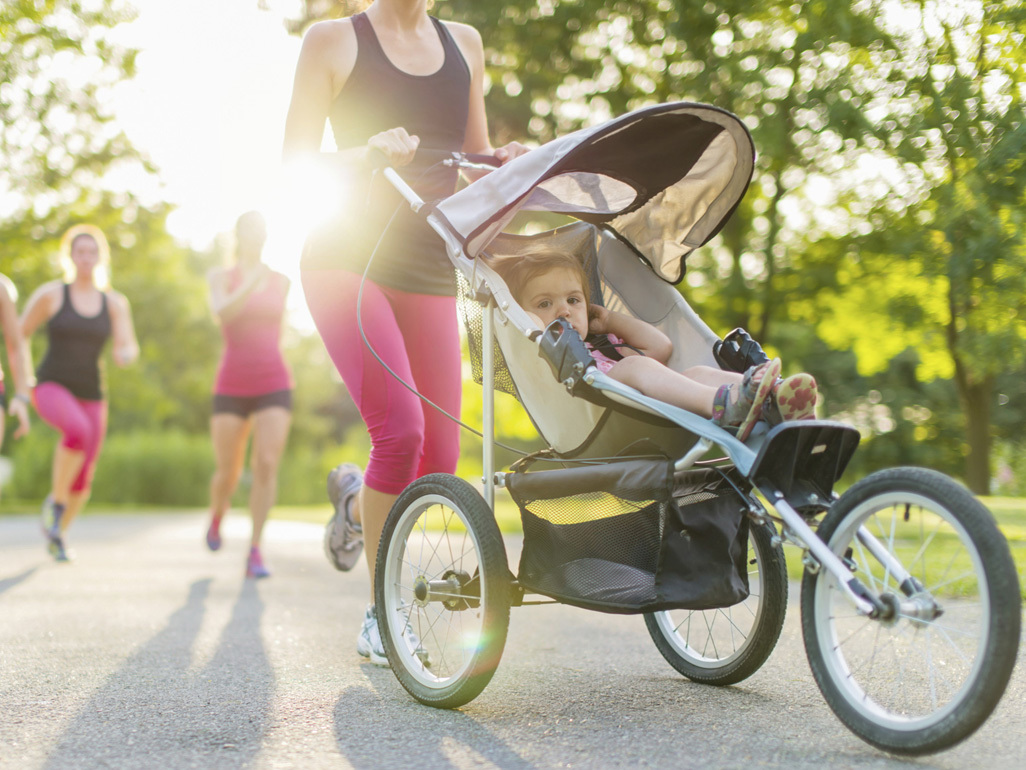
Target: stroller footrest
(803,459)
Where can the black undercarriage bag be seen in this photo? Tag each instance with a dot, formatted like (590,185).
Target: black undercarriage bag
(626,537)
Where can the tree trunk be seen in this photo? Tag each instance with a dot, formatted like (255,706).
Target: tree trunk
(976,401)
(769,289)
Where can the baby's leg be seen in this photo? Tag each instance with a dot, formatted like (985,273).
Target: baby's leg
(710,375)
(660,382)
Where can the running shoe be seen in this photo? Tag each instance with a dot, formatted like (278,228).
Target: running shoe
(214,533)
(255,565)
(368,642)
(49,518)
(343,537)
(57,549)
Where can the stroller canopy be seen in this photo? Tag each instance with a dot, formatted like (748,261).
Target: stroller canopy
(665,178)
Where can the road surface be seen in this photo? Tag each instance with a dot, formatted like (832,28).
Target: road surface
(151,652)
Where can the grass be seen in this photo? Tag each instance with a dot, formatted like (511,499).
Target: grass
(1010,514)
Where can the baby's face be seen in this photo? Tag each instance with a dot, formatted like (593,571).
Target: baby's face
(557,294)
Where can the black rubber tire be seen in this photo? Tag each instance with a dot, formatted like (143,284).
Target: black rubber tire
(830,643)
(486,560)
(746,659)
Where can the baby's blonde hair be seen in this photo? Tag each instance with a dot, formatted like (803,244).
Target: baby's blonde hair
(101,275)
(518,271)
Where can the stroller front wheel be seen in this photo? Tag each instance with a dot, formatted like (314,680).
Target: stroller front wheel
(441,590)
(930,670)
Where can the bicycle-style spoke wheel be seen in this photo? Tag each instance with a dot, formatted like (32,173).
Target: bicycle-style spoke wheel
(724,646)
(930,670)
(442,591)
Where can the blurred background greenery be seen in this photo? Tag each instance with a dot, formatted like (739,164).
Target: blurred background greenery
(881,245)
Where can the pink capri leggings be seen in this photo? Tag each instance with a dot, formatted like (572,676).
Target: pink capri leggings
(83,424)
(418,337)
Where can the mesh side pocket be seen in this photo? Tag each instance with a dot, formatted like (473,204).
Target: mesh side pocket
(592,535)
(619,538)
(470,313)
(703,561)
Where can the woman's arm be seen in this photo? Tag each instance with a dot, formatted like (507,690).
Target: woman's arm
(226,303)
(477,140)
(635,332)
(44,302)
(126,347)
(19,399)
(326,61)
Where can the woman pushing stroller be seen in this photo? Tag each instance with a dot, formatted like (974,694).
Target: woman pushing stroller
(551,284)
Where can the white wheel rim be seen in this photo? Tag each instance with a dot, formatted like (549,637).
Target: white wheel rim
(944,654)
(452,639)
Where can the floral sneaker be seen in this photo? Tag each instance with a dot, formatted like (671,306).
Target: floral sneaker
(740,406)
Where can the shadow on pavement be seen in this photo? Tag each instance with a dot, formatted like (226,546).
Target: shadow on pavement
(375,730)
(7,584)
(155,712)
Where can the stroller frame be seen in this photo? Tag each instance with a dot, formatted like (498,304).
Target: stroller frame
(855,556)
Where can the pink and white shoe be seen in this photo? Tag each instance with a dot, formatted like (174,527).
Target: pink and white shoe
(255,565)
(795,397)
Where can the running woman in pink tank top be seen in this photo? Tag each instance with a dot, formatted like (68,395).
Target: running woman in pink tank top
(253,390)
(388,79)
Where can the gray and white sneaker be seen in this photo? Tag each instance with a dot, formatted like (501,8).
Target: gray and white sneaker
(343,537)
(50,521)
(369,645)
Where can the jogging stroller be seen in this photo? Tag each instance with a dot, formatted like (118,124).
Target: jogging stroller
(910,598)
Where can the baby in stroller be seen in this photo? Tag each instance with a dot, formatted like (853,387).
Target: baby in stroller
(550,285)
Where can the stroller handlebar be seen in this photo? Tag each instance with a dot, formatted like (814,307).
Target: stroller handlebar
(430,157)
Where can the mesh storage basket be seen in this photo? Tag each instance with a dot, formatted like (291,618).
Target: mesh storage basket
(624,537)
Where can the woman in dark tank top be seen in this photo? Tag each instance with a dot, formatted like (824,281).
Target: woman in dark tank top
(80,314)
(389,79)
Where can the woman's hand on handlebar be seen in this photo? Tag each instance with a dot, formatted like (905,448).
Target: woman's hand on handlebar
(508,152)
(396,145)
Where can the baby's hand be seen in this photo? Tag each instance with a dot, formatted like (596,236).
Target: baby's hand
(598,319)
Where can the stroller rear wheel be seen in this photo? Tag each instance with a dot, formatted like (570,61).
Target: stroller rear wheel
(930,669)
(724,646)
(442,591)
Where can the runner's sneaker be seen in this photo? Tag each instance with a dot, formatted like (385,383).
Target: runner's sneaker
(343,537)
(56,548)
(368,643)
(255,564)
(214,533)
(50,518)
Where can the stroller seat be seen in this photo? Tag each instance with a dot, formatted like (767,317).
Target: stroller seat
(589,423)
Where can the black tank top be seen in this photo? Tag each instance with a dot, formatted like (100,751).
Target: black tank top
(75,343)
(376,97)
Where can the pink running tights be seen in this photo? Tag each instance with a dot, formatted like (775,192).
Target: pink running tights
(83,424)
(418,337)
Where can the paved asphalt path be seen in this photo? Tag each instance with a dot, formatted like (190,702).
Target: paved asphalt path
(150,652)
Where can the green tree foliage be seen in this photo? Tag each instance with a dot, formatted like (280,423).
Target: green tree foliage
(942,268)
(885,211)
(57,137)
